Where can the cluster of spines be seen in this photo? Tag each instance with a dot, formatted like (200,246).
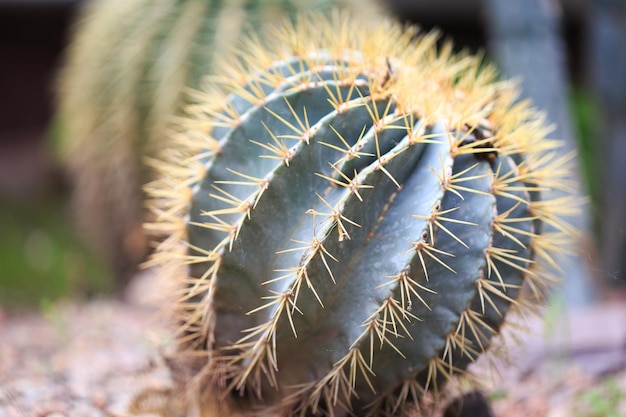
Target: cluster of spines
(509,136)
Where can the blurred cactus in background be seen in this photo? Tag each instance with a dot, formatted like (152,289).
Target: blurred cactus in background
(607,68)
(525,41)
(351,218)
(126,72)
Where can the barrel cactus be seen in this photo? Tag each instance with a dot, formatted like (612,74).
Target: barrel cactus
(123,82)
(351,221)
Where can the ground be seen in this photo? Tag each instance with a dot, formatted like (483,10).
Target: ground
(91,359)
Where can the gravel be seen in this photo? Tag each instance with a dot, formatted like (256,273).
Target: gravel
(91,359)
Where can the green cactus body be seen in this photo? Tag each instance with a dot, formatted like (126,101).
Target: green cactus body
(352,224)
(127,68)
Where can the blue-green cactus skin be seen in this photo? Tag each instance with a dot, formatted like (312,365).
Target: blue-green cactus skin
(345,247)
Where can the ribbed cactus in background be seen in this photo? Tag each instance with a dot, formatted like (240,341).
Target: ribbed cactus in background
(351,222)
(127,67)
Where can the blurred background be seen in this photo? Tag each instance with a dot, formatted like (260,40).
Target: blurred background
(571,54)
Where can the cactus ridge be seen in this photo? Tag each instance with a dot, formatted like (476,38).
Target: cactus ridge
(352,224)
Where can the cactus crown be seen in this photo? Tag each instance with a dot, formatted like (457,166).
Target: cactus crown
(352,213)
